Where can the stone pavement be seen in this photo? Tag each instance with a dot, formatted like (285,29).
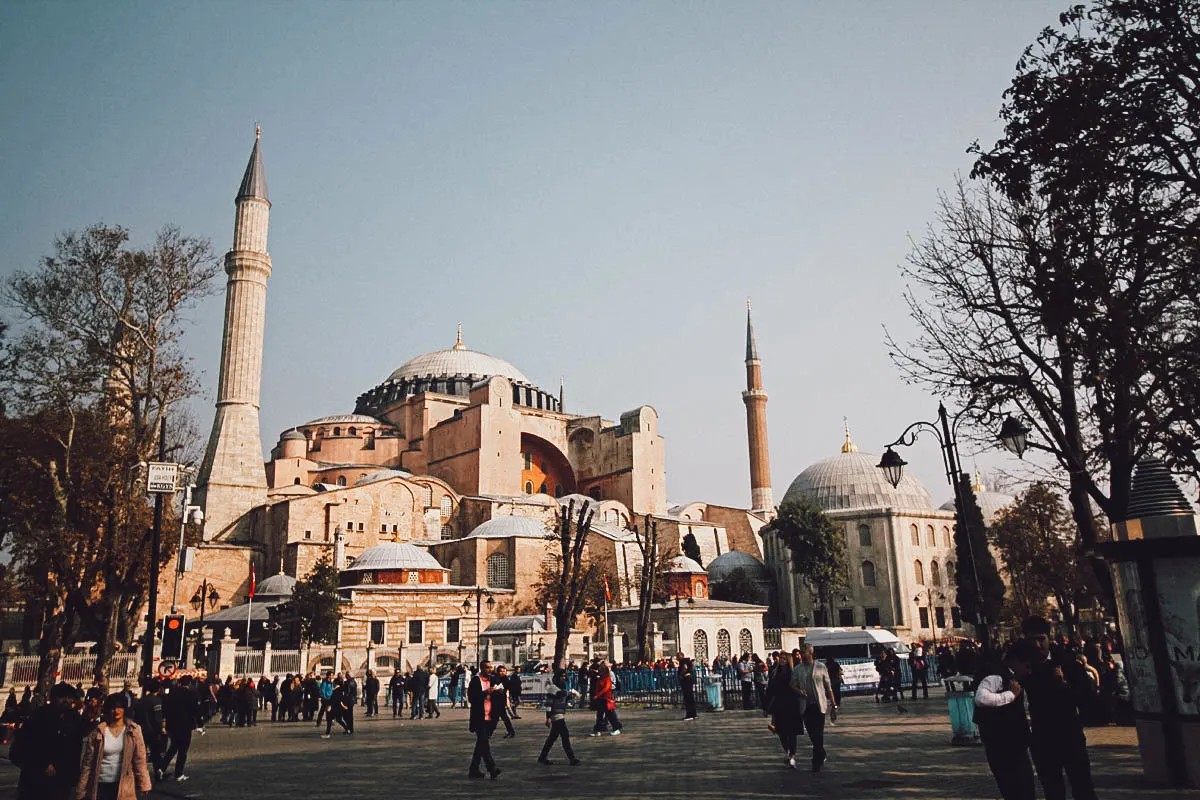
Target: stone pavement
(875,752)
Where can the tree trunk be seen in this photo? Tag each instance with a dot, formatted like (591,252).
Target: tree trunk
(105,640)
(49,648)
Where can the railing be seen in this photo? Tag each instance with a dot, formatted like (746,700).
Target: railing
(248,662)
(772,638)
(284,662)
(77,668)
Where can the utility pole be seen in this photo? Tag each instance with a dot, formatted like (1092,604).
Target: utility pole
(155,556)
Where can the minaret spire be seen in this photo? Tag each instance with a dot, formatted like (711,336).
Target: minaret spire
(755,398)
(232,478)
(458,343)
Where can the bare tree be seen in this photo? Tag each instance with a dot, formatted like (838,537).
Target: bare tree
(647,540)
(573,577)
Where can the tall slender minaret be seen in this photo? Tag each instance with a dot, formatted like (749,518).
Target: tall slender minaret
(755,398)
(232,478)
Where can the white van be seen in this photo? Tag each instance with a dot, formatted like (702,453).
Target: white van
(853,642)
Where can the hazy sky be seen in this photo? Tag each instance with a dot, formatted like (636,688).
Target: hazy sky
(592,189)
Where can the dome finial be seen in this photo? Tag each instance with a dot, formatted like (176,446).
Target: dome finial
(977,487)
(458,345)
(848,446)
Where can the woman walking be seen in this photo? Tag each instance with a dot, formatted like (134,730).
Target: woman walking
(603,702)
(114,758)
(785,708)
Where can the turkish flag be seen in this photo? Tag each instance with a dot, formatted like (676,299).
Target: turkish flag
(252,583)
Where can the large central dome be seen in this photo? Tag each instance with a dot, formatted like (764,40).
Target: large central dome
(456,361)
(852,480)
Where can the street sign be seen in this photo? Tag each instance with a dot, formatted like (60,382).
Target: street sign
(161,478)
(167,669)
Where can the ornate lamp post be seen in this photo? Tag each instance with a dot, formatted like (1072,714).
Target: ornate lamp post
(929,605)
(206,595)
(480,593)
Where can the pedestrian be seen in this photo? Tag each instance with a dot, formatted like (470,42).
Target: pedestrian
(396,685)
(270,697)
(226,697)
(419,686)
(433,689)
(810,680)
(1057,741)
(500,699)
(326,695)
(148,713)
(686,675)
(513,684)
(836,680)
(455,677)
(337,709)
(1003,728)
(179,719)
(920,671)
(784,704)
(114,756)
(480,694)
(371,693)
(47,747)
(556,721)
(760,679)
(349,701)
(745,673)
(604,703)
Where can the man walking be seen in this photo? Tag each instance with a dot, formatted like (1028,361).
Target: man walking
(48,748)
(810,680)
(326,693)
(480,695)
(148,713)
(431,697)
(745,673)
(1058,744)
(920,671)
(349,701)
(556,721)
(337,710)
(371,693)
(1000,714)
(501,699)
(179,714)
(687,687)
(396,685)
(418,684)
(513,684)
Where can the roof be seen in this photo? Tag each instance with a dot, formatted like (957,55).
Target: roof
(394,555)
(751,342)
(333,419)
(254,182)
(382,475)
(530,623)
(454,362)
(1155,493)
(293,434)
(686,566)
(698,604)
(280,585)
(724,565)
(852,480)
(832,636)
(259,611)
(510,527)
(614,532)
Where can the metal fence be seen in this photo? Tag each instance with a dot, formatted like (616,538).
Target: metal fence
(76,668)
(284,662)
(248,662)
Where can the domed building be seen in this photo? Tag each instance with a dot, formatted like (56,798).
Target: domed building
(991,503)
(738,569)
(900,550)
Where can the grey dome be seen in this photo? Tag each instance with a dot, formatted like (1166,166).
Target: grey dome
(292,435)
(990,503)
(354,419)
(276,586)
(453,362)
(682,565)
(852,481)
(394,555)
(721,567)
(510,527)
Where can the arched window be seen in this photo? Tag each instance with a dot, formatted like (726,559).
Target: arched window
(724,646)
(951,575)
(456,571)
(558,490)
(864,535)
(429,497)
(337,431)
(916,535)
(935,573)
(919,572)
(700,646)
(945,536)
(447,507)
(930,539)
(528,487)
(745,641)
(498,574)
(352,431)
(868,573)
(341,480)
(295,481)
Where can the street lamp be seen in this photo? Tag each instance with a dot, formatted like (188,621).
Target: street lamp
(480,593)
(946,432)
(929,605)
(206,595)
(1014,436)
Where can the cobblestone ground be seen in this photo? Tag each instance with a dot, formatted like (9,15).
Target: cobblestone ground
(875,752)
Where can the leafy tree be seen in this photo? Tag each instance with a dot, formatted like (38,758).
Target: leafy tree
(316,602)
(980,589)
(817,547)
(691,548)
(1039,544)
(1062,282)
(87,379)
(738,587)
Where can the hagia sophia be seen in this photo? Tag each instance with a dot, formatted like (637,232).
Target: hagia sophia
(436,498)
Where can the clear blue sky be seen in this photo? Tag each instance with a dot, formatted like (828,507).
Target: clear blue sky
(593,189)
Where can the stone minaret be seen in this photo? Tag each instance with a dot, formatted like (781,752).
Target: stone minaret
(232,478)
(755,398)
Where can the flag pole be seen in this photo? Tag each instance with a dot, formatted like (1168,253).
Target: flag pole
(250,604)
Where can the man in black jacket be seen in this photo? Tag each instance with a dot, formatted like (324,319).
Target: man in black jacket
(349,701)
(1058,744)
(1000,714)
(501,699)
(148,713)
(396,685)
(686,675)
(418,684)
(179,714)
(482,697)
(48,747)
(371,693)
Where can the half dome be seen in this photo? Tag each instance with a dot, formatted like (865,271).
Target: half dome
(510,527)
(852,480)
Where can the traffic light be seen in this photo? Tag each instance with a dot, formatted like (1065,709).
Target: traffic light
(172,636)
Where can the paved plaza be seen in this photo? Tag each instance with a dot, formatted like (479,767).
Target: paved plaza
(875,752)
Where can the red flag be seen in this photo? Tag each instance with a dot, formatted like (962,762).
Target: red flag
(607,593)
(252,583)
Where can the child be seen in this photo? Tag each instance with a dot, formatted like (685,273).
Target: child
(556,720)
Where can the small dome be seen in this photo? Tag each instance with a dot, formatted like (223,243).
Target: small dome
(721,567)
(382,475)
(456,361)
(682,565)
(343,419)
(394,555)
(276,586)
(990,503)
(852,480)
(510,527)
(292,435)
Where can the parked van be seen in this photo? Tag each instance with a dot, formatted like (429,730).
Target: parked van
(853,642)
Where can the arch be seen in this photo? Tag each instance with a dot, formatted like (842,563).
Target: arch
(352,431)
(446,507)
(946,536)
(341,480)
(864,535)
(868,573)
(545,466)
(745,640)
(951,575)
(296,481)
(915,532)
(700,646)
(919,571)
(724,644)
(428,496)
(935,573)
(930,538)
(499,575)
(337,431)
(528,487)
